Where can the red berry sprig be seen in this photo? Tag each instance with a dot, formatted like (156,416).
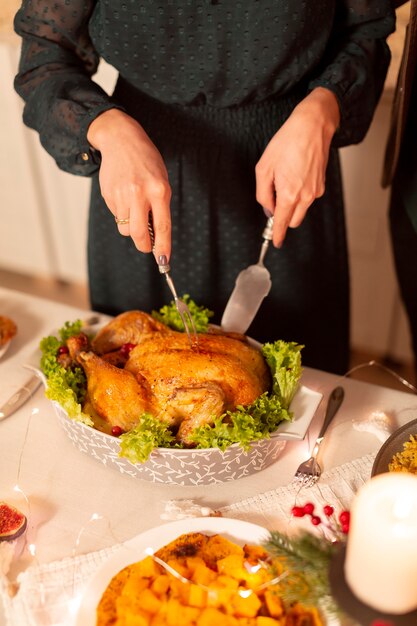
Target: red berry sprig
(339,525)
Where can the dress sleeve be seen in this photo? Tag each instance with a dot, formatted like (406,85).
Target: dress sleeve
(356,62)
(54,79)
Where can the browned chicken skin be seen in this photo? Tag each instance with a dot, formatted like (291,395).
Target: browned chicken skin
(164,376)
(128,327)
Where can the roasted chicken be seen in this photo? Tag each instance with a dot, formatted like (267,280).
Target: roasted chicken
(162,375)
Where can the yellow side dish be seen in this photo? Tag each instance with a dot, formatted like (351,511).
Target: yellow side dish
(405,461)
(222,584)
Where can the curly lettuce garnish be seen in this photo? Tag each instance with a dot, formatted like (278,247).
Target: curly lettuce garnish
(242,426)
(284,360)
(263,416)
(169,315)
(137,444)
(67,386)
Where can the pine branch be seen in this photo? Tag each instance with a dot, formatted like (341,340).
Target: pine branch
(307,558)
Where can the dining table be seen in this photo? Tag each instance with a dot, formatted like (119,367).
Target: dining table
(79,510)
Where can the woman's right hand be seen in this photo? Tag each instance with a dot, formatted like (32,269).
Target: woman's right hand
(133,179)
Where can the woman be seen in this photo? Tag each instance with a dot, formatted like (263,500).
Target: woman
(219,108)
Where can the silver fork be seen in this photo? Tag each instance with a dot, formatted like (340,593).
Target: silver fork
(309,471)
(182,308)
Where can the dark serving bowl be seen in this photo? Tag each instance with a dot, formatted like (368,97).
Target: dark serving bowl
(392,445)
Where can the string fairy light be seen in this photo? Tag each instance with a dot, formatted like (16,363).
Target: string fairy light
(374,363)
(243,593)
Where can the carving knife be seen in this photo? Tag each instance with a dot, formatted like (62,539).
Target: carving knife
(19,398)
(252,285)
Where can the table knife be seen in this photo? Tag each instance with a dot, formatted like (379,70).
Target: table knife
(21,396)
(252,285)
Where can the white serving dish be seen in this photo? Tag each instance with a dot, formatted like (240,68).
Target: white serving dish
(191,467)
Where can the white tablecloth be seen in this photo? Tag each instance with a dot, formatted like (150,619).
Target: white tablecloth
(75,505)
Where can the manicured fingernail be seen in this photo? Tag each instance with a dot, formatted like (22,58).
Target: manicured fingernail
(162,260)
(268,213)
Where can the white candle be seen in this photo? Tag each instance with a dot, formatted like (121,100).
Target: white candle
(381,555)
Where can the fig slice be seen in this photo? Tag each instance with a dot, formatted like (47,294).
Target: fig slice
(12,522)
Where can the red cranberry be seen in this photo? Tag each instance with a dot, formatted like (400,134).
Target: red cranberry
(116,431)
(127,348)
(315,520)
(345,528)
(344,517)
(328,510)
(309,508)
(63,350)
(297,511)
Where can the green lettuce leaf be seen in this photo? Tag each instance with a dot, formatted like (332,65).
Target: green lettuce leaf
(137,444)
(242,426)
(169,315)
(284,360)
(67,386)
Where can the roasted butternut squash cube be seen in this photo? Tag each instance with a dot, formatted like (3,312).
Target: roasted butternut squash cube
(219,597)
(197,596)
(174,612)
(213,617)
(137,618)
(149,602)
(189,615)
(161,584)
(148,568)
(134,585)
(228,582)
(203,575)
(246,621)
(274,604)
(232,565)
(245,607)
(262,620)
(192,562)
(180,567)
(256,578)
(158,620)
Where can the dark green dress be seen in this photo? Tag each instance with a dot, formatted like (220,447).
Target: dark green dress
(211,83)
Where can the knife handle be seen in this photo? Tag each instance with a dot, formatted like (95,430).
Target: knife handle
(335,400)
(268,230)
(267,236)
(21,396)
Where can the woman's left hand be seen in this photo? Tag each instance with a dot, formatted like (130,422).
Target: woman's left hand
(291,173)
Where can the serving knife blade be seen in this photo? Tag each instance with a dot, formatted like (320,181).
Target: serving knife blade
(252,286)
(19,398)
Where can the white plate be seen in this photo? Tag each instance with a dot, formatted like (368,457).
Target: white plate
(134,550)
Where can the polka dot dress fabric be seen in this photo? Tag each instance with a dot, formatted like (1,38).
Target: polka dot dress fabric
(211,82)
